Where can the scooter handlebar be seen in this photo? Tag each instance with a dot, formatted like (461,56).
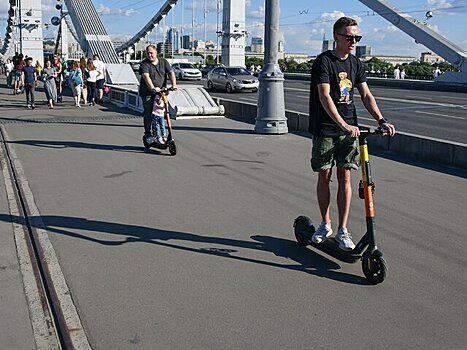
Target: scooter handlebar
(377,131)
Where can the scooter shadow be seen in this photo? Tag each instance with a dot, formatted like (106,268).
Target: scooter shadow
(308,260)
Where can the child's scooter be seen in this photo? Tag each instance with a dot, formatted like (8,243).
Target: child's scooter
(170,144)
(373,264)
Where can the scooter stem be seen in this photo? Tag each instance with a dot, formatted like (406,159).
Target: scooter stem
(367,190)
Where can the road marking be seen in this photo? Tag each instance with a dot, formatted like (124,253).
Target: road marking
(454,97)
(441,115)
(247,99)
(427,98)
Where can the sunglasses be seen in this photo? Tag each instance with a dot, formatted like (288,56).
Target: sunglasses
(351,38)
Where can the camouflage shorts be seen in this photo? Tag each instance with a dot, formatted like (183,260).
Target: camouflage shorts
(339,150)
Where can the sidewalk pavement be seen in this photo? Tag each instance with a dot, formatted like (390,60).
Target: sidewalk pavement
(15,324)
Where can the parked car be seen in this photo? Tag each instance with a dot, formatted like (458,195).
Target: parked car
(209,67)
(135,66)
(232,79)
(186,71)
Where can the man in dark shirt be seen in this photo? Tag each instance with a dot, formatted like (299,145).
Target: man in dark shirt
(153,71)
(29,79)
(333,123)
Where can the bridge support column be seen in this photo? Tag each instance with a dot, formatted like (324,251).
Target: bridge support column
(30,28)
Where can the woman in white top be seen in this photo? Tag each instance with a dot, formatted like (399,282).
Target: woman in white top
(91,82)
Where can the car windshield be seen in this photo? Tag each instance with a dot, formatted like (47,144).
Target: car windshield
(187,65)
(237,71)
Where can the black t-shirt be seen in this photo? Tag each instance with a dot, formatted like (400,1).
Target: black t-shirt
(158,74)
(342,75)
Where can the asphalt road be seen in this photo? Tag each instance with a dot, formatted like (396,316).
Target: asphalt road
(197,251)
(441,115)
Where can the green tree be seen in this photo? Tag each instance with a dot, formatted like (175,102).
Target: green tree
(253,61)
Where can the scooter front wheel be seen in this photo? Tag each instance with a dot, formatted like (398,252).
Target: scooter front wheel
(172,148)
(374,267)
(303,224)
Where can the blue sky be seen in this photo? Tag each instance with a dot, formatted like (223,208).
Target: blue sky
(303,22)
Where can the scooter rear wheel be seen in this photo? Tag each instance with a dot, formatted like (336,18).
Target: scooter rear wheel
(374,267)
(303,224)
(146,145)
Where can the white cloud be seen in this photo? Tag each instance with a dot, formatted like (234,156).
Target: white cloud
(104,10)
(440,4)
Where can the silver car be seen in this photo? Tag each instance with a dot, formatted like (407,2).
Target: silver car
(232,79)
(186,71)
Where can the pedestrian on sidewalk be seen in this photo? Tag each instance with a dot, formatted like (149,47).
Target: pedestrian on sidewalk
(9,72)
(38,68)
(101,72)
(49,74)
(84,90)
(59,78)
(91,82)
(75,81)
(18,62)
(29,81)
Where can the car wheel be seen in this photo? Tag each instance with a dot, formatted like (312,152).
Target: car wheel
(180,76)
(228,88)
(210,86)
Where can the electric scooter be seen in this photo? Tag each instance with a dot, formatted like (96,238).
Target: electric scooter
(373,264)
(170,144)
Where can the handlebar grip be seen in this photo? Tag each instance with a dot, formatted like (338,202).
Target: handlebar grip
(368,131)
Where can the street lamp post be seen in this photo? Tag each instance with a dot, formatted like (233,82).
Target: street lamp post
(218,32)
(270,117)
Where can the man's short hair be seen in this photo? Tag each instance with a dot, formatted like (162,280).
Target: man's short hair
(29,59)
(96,56)
(151,47)
(344,22)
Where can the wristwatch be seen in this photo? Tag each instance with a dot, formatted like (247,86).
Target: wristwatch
(382,121)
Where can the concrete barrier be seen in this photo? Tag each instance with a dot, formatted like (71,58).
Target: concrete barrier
(408,145)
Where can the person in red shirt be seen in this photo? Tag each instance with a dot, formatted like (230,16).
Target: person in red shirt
(59,78)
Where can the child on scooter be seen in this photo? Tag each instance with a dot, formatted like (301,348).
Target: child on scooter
(158,119)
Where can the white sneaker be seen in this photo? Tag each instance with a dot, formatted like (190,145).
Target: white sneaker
(344,239)
(322,233)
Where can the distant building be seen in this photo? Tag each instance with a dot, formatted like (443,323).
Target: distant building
(298,57)
(173,37)
(394,60)
(431,58)
(362,51)
(164,48)
(187,41)
(257,45)
(280,46)
(328,45)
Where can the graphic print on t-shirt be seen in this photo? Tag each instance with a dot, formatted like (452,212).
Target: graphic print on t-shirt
(345,85)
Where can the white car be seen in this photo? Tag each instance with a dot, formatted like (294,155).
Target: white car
(186,71)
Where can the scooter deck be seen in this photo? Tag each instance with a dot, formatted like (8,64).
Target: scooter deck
(331,247)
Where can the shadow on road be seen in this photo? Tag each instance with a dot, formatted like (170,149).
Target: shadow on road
(84,145)
(303,259)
